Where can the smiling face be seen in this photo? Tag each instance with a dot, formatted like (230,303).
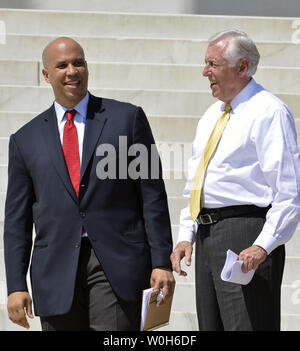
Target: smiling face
(226,80)
(66,70)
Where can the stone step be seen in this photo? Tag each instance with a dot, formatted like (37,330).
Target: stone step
(290,322)
(3,178)
(176,129)
(170,102)
(173,129)
(255,8)
(181,321)
(292,248)
(4,151)
(290,296)
(19,72)
(2,275)
(3,292)
(146,76)
(92,23)
(10,122)
(188,291)
(154,102)
(291,270)
(169,51)
(174,187)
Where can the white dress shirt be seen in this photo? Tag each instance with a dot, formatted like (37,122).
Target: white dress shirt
(79,121)
(256,162)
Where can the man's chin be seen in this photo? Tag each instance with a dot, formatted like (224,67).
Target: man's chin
(70,100)
(75,96)
(214,93)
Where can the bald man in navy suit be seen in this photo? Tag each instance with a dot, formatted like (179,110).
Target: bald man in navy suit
(98,246)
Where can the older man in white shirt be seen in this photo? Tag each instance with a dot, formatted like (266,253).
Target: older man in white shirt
(249,194)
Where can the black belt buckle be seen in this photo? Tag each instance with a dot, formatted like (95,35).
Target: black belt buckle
(205,219)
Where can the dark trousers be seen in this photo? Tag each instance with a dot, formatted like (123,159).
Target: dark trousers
(95,305)
(228,306)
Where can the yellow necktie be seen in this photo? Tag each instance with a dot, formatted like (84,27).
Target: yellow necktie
(197,183)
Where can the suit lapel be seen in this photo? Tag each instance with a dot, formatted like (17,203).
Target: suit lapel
(51,134)
(93,128)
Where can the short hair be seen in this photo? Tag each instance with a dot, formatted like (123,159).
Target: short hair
(240,46)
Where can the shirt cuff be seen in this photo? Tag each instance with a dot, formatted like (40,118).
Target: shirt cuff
(267,242)
(185,235)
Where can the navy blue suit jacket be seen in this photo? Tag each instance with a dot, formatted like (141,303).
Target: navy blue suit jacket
(127,220)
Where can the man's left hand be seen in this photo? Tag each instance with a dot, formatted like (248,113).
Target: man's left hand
(252,257)
(162,278)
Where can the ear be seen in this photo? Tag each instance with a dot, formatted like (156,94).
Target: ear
(46,75)
(243,66)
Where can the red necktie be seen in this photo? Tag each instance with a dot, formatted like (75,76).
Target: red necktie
(71,150)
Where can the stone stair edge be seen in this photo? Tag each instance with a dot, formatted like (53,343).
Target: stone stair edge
(154,64)
(135,89)
(116,37)
(141,14)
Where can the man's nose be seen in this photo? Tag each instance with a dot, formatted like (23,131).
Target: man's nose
(205,71)
(71,69)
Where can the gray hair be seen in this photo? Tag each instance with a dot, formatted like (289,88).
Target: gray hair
(240,46)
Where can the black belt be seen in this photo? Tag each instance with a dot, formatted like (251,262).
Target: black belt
(213,215)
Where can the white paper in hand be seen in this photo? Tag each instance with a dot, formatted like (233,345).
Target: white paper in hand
(232,270)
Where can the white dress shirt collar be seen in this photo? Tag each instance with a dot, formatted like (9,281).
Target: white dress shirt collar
(81,109)
(243,96)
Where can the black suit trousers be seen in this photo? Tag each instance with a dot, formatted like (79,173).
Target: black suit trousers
(95,305)
(228,306)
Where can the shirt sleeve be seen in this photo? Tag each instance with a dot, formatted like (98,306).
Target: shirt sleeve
(276,144)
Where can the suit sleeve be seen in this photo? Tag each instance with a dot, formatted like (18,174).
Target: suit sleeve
(18,221)
(153,197)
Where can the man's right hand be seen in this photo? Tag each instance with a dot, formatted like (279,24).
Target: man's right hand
(183,249)
(19,304)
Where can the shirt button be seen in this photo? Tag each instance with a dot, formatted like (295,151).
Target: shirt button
(82,214)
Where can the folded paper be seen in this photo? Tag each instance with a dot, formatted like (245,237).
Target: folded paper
(232,270)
